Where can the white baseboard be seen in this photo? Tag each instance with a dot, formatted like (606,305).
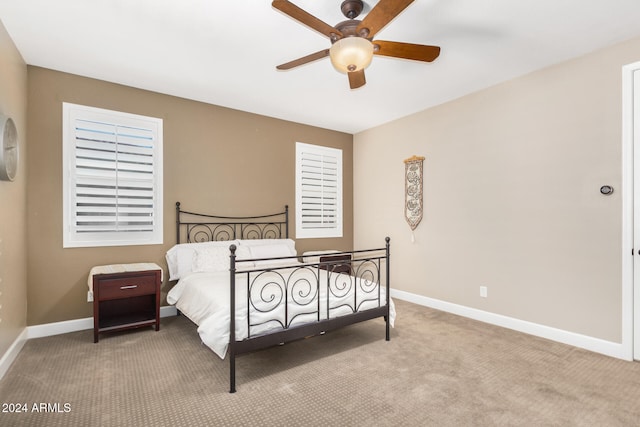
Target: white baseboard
(597,345)
(57,328)
(13,351)
(49,329)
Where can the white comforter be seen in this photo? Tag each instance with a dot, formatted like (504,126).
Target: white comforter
(204,298)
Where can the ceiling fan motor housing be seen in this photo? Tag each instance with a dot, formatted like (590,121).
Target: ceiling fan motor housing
(348,28)
(351,8)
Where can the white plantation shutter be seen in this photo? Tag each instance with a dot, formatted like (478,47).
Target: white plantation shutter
(113,178)
(318,191)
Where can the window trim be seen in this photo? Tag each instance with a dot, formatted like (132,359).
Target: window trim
(72,238)
(306,232)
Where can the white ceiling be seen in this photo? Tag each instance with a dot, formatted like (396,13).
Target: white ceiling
(225,52)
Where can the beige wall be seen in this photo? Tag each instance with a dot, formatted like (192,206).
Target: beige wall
(13,199)
(511,192)
(215,159)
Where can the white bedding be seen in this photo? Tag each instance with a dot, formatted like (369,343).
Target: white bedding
(204,298)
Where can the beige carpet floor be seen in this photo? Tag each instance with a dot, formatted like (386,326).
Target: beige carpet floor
(437,370)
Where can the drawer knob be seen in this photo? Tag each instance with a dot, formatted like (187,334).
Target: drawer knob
(129,287)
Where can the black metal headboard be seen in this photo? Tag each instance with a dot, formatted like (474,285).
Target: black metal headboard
(206,228)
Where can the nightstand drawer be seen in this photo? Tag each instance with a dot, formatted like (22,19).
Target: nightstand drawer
(127,287)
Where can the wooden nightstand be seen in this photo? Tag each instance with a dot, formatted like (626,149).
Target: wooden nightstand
(126,300)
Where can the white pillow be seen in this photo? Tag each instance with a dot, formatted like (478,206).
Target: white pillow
(180,257)
(272,251)
(289,243)
(214,258)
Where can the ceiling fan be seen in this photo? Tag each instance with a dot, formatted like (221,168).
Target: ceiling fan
(352,45)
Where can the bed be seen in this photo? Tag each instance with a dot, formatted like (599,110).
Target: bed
(242,282)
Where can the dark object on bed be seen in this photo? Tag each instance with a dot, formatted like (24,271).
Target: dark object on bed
(336,263)
(345,269)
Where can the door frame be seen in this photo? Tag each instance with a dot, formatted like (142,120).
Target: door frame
(630,204)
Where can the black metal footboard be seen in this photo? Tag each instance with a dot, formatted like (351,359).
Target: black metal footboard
(283,303)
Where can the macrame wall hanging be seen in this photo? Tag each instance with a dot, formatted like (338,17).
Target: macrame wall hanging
(413,192)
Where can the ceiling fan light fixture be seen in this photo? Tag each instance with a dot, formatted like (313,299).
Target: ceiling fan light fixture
(351,54)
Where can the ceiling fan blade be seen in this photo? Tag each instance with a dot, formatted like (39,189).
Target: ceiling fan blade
(356,79)
(416,52)
(304,60)
(381,14)
(305,18)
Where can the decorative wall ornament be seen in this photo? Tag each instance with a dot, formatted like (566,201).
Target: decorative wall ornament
(413,191)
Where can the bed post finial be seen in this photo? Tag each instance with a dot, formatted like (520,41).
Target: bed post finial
(177,222)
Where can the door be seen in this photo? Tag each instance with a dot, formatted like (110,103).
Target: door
(636,211)
(630,348)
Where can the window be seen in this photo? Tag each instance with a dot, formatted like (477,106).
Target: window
(112,178)
(318,191)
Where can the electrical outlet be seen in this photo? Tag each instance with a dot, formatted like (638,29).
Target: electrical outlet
(483,291)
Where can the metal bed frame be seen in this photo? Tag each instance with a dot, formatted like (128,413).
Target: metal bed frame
(361,272)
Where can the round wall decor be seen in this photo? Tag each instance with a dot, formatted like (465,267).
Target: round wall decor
(8,149)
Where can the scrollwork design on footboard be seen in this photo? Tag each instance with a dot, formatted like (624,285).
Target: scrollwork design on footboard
(265,297)
(368,273)
(303,283)
(281,296)
(339,284)
(355,289)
